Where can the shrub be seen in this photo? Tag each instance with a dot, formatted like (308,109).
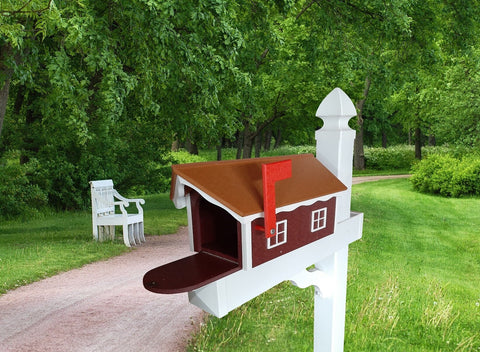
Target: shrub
(18,197)
(434,174)
(184,157)
(466,179)
(447,175)
(165,171)
(391,158)
(291,150)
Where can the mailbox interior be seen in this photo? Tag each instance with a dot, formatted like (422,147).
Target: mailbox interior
(217,243)
(215,231)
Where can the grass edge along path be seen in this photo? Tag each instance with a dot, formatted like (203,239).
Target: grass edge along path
(413,283)
(33,249)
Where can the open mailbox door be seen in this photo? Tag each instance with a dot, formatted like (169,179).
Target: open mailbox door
(188,274)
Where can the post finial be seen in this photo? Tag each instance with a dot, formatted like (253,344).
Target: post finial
(336,109)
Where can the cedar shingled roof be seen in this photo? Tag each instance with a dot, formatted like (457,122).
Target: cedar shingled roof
(237,184)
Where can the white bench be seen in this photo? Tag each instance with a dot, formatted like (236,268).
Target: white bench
(104,218)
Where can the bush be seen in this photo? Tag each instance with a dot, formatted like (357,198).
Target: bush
(291,150)
(447,175)
(391,158)
(434,174)
(466,179)
(165,171)
(18,197)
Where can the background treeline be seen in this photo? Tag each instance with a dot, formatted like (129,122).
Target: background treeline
(98,89)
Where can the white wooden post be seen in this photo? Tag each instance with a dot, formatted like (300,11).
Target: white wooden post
(335,150)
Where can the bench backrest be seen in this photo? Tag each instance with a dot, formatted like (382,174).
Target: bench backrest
(102,197)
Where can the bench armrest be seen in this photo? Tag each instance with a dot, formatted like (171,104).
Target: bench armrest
(125,202)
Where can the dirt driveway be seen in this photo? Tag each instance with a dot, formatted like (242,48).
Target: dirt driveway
(102,307)
(362,179)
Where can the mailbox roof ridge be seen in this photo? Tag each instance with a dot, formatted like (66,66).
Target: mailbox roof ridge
(237,184)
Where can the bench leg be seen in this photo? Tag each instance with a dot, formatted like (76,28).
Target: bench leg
(101,233)
(95,232)
(131,234)
(110,232)
(139,235)
(142,233)
(126,238)
(106,232)
(135,232)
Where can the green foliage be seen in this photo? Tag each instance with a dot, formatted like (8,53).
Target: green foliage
(18,197)
(447,175)
(184,157)
(396,157)
(434,174)
(457,102)
(290,150)
(466,179)
(101,89)
(173,158)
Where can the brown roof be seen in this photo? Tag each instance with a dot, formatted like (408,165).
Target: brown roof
(237,184)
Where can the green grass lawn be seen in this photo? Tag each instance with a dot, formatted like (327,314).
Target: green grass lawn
(31,249)
(413,283)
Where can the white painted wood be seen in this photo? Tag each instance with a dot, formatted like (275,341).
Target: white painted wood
(317,278)
(335,150)
(246,246)
(105,218)
(329,311)
(190,223)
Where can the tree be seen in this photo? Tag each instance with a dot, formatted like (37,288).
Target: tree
(102,87)
(16,19)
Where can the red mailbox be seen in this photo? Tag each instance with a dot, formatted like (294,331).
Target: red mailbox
(296,194)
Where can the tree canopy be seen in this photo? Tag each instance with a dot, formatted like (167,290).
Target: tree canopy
(93,89)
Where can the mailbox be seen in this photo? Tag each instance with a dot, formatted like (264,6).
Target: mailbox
(254,223)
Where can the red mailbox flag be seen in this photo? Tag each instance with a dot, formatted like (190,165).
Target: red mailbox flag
(272,173)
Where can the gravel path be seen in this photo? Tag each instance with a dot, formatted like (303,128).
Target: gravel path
(104,307)
(362,179)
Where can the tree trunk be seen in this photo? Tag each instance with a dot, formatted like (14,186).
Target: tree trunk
(267,139)
(219,150)
(33,118)
(258,144)
(3,102)
(248,139)
(278,138)
(418,143)
(175,145)
(239,144)
(384,139)
(5,73)
(192,147)
(358,152)
(432,141)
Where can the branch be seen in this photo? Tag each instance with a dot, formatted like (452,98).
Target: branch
(305,9)
(274,116)
(361,102)
(347,3)
(262,57)
(364,11)
(22,9)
